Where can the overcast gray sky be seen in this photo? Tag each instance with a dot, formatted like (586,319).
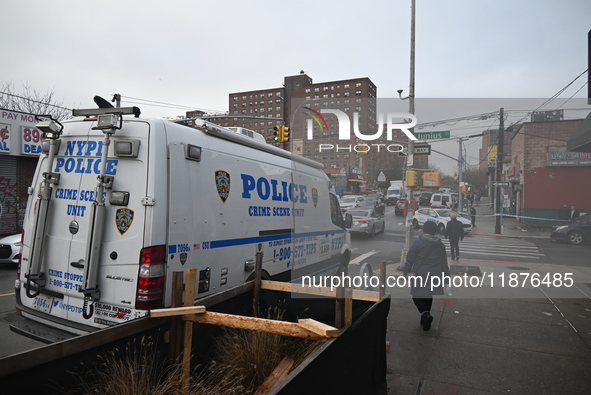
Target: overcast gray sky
(194,53)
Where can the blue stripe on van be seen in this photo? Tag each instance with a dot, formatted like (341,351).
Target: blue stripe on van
(263,239)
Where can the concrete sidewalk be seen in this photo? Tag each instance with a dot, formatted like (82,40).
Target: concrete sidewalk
(517,340)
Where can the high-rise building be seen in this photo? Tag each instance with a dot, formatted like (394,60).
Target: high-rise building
(298,104)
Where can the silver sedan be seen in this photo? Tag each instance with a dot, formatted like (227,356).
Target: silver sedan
(366,221)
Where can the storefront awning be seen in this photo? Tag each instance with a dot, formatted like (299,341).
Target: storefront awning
(581,138)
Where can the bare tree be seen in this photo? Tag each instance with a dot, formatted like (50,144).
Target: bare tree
(475,176)
(31,101)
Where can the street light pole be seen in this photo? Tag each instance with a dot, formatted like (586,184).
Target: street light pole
(410,153)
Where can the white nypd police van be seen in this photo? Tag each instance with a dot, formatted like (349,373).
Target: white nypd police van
(118,203)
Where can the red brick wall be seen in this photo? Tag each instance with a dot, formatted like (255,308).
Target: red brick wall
(551,187)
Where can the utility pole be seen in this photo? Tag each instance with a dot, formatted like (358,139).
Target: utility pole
(410,153)
(499,172)
(460,175)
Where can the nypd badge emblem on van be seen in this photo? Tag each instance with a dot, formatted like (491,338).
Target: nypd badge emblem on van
(123,219)
(315,196)
(222,182)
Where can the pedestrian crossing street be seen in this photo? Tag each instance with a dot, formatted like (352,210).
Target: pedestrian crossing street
(500,248)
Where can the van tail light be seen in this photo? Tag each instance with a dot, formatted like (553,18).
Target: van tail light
(363,221)
(152,270)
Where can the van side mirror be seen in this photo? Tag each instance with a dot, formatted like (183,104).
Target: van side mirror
(348,220)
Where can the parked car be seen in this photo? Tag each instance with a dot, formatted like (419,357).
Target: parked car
(10,248)
(399,206)
(576,232)
(366,221)
(441,216)
(425,198)
(350,201)
(374,203)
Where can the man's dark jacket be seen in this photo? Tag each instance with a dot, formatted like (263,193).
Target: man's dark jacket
(427,258)
(564,213)
(455,229)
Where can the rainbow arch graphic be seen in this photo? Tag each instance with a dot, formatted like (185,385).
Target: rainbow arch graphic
(316,116)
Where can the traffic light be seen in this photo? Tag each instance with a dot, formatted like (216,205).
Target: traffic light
(431,179)
(281,133)
(362,149)
(411,179)
(285,133)
(277,134)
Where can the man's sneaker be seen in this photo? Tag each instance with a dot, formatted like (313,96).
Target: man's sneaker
(426,320)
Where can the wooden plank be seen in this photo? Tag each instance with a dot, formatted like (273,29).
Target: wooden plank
(176,311)
(319,327)
(369,296)
(348,308)
(279,373)
(258,268)
(297,288)
(190,283)
(176,324)
(255,324)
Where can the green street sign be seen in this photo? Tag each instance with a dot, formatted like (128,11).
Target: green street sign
(432,135)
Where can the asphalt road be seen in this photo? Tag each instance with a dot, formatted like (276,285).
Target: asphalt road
(10,342)
(386,246)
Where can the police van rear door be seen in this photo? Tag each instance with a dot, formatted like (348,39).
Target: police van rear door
(78,164)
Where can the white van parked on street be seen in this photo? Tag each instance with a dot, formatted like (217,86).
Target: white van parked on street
(119,203)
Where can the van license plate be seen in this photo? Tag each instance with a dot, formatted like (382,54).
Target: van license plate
(43,303)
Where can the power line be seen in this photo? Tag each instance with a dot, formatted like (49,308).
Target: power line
(35,101)
(168,105)
(553,97)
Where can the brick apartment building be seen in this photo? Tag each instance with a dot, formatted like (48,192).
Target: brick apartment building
(297,105)
(488,152)
(544,175)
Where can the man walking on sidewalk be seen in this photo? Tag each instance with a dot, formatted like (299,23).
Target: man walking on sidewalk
(426,259)
(473,216)
(455,233)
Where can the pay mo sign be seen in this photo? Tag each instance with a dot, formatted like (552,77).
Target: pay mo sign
(423,149)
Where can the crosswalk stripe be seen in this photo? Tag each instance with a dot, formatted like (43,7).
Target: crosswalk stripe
(518,246)
(483,245)
(532,256)
(494,249)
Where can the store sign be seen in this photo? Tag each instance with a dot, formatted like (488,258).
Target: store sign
(356,177)
(559,157)
(18,134)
